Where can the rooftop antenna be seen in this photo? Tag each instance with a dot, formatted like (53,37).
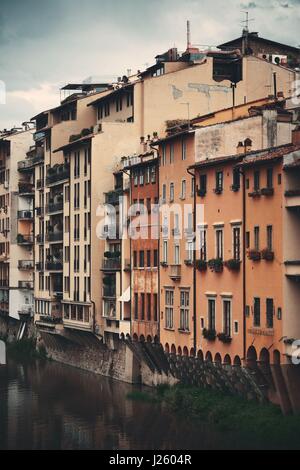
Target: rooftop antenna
(246,21)
(188,34)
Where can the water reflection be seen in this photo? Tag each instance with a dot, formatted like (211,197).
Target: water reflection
(2,353)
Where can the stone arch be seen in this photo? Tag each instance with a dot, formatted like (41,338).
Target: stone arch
(179,352)
(264,356)
(142,339)
(200,355)
(128,337)
(149,339)
(208,356)
(185,351)
(2,353)
(218,358)
(135,337)
(167,348)
(173,349)
(227,360)
(192,352)
(276,357)
(251,357)
(237,361)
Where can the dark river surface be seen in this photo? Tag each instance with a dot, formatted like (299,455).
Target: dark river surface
(46,405)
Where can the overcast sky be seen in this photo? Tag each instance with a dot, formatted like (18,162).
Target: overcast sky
(44,45)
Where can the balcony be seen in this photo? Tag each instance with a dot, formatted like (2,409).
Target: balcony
(111,264)
(57,175)
(109,309)
(40,239)
(26,189)
(175,272)
(25,240)
(113,197)
(109,291)
(54,266)
(292,198)
(4,257)
(25,285)
(55,237)
(26,311)
(55,207)
(25,215)
(25,265)
(39,266)
(39,211)
(292,269)
(28,163)
(4,283)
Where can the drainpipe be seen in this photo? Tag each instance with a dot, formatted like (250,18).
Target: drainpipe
(194,263)
(130,251)
(244,261)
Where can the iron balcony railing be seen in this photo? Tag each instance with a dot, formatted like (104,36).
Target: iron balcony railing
(25,215)
(54,207)
(39,211)
(113,197)
(58,175)
(25,239)
(40,238)
(39,266)
(28,163)
(26,310)
(111,264)
(54,237)
(54,266)
(175,272)
(25,284)
(26,189)
(25,264)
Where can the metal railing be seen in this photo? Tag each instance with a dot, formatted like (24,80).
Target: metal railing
(25,215)
(25,284)
(25,239)
(25,264)
(54,237)
(113,264)
(54,266)
(54,207)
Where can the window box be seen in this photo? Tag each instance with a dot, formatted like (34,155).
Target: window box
(254,255)
(224,338)
(164,264)
(216,265)
(267,255)
(235,188)
(255,193)
(267,191)
(188,262)
(201,192)
(233,264)
(201,265)
(209,334)
(218,190)
(292,192)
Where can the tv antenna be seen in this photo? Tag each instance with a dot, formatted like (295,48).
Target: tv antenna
(246,21)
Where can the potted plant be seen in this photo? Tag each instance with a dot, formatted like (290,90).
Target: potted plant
(254,255)
(164,264)
(201,265)
(267,191)
(201,192)
(267,254)
(224,338)
(216,265)
(188,262)
(255,193)
(85,132)
(235,188)
(233,264)
(209,334)
(108,254)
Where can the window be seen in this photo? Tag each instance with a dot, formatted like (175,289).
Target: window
(270,237)
(76,164)
(270,312)
(219,181)
(136,306)
(270,178)
(236,327)
(142,306)
(190,251)
(256,180)
(119,104)
(184,310)
(155,258)
(193,186)
(171,192)
(135,259)
(153,174)
(227,317)
(164,193)
(155,305)
(148,258)
(148,175)
(165,251)
(219,244)
(164,155)
(171,153)
(142,259)
(211,314)
(247,241)
(203,183)
(183,149)
(135,178)
(183,189)
(141,179)
(148,307)
(177,255)
(236,243)
(256,319)
(256,238)
(67,193)
(169,309)
(203,253)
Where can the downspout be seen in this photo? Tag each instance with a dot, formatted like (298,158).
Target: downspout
(194,262)
(130,253)
(244,262)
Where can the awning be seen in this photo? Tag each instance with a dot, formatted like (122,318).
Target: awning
(125,297)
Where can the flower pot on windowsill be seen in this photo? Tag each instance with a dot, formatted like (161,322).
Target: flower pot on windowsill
(267,191)
(201,265)
(164,264)
(233,264)
(267,254)
(209,334)
(218,190)
(188,262)
(235,188)
(255,193)
(254,255)
(224,338)
(216,265)
(201,192)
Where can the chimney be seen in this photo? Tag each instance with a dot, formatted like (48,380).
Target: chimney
(240,148)
(247,145)
(296,136)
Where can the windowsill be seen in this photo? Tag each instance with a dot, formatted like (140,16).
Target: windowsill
(185,332)
(169,329)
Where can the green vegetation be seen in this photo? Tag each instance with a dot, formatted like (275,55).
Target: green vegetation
(255,423)
(25,349)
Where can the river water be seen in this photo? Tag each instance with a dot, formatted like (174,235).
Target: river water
(46,405)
